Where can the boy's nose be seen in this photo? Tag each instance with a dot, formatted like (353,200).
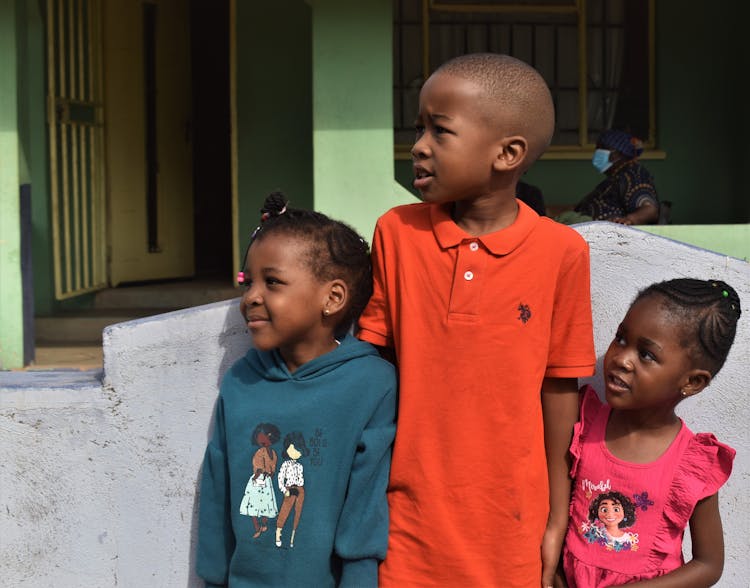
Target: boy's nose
(420,150)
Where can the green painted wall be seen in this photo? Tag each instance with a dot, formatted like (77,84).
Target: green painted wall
(11,302)
(353,117)
(274,106)
(699,108)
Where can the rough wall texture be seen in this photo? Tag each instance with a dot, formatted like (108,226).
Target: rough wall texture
(98,475)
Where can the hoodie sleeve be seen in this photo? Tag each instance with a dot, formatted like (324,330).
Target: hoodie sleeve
(362,532)
(215,536)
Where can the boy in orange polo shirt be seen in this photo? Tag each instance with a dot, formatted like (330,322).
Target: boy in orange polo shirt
(483,304)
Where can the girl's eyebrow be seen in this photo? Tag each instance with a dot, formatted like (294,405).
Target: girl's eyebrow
(646,342)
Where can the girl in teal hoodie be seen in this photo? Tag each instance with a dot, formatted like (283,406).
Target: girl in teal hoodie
(329,396)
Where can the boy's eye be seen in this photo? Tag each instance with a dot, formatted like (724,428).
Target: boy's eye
(440,130)
(419,130)
(646,355)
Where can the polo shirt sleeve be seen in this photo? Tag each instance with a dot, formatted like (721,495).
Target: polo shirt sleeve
(571,350)
(375,324)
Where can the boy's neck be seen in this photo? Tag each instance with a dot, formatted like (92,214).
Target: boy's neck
(483,216)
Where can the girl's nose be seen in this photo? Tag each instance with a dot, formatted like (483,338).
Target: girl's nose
(624,361)
(252,296)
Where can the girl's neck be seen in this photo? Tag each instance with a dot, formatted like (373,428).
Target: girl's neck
(640,437)
(300,355)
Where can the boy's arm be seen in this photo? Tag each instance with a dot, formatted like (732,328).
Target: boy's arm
(560,413)
(708,551)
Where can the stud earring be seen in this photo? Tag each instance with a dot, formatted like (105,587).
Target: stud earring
(683,393)
(326,312)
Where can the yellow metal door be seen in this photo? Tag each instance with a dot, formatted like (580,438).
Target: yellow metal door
(149,163)
(74,117)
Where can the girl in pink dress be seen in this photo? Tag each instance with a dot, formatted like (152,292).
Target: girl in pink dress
(640,475)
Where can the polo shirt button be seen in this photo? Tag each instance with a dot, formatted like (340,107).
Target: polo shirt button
(474,246)
(468,275)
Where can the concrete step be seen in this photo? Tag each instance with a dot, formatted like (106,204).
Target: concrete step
(84,327)
(166,295)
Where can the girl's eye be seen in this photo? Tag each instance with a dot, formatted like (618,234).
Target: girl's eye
(419,130)
(619,339)
(646,355)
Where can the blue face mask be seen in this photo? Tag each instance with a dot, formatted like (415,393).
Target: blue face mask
(601,160)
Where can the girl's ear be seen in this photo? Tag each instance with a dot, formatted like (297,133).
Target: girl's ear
(696,380)
(512,152)
(337,294)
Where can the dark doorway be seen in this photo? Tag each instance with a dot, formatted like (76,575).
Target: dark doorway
(211,129)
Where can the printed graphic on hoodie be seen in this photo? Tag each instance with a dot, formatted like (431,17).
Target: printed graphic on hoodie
(259,501)
(291,482)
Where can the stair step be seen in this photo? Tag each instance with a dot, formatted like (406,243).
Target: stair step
(168,296)
(85,327)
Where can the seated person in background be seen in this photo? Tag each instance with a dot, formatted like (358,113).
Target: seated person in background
(627,195)
(531,195)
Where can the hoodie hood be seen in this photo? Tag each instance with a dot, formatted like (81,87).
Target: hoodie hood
(271,366)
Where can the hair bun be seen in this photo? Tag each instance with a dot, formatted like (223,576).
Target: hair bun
(275,204)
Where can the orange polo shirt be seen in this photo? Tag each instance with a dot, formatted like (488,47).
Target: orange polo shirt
(476,323)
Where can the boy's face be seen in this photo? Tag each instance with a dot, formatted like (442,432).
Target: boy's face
(455,146)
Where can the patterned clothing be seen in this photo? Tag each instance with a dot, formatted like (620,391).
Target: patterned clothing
(627,519)
(627,187)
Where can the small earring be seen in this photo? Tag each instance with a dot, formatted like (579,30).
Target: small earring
(326,312)
(684,394)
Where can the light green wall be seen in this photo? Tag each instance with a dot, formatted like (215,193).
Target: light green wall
(11,302)
(352,111)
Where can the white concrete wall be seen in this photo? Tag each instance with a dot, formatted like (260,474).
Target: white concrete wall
(98,479)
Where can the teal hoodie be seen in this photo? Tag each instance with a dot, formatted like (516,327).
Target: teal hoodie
(338,411)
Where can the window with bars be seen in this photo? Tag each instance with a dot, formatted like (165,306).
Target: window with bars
(596,56)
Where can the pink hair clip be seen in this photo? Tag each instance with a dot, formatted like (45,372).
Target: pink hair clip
(240,277)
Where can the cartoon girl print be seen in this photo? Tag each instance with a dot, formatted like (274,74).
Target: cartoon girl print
(291,482)
(259,501)
(609,514)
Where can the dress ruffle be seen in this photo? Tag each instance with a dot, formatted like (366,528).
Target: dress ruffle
(703,468)
(590,407)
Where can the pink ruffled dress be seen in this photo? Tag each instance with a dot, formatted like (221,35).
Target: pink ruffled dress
(627,519)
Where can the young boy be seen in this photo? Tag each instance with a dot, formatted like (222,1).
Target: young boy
(483,304)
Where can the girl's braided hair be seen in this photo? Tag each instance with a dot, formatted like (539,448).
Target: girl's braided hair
(708,311)
(335,250)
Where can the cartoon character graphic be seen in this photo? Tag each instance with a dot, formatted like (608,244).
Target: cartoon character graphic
(259,501)
(291,482)
(609,514)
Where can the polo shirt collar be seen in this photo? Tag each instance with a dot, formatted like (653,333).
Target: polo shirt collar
(449,234)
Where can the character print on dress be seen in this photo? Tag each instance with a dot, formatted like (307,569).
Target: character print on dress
(610,514)
(291,481)
(259,501)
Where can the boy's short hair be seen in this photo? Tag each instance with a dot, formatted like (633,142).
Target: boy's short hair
(516,96)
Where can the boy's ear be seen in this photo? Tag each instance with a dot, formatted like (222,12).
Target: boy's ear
(336,297)
(512,153)
(696,380)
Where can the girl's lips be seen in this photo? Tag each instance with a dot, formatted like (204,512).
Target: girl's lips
(616,384)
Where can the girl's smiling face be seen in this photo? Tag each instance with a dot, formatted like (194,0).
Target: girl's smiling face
(611,513)
(283,302)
